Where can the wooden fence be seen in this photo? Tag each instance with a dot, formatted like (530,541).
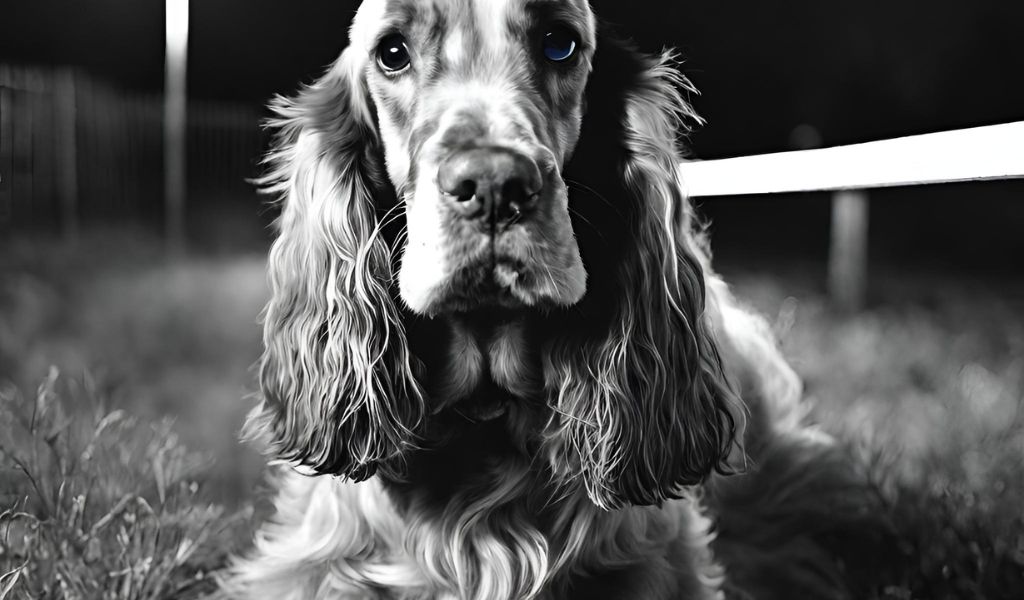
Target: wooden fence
(976,154)
(74,149)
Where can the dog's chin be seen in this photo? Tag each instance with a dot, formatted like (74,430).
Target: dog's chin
(499,285)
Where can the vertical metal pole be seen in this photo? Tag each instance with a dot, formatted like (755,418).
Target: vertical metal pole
(176,59)
(848,254)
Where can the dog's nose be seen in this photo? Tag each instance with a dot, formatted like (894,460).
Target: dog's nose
(495,184)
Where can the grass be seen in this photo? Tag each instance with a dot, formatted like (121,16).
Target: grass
(99,495)
(100,504)
(157,337)
(927,383)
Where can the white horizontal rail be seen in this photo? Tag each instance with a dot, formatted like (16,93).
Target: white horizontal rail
(975,154)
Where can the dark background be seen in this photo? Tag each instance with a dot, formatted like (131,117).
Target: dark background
(854,71)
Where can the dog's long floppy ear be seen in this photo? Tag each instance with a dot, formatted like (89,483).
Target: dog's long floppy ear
(338,389)
(641,404)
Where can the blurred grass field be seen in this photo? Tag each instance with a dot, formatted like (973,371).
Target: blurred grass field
(928,381)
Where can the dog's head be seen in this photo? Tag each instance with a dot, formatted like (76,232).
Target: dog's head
(478,106)
(495,157)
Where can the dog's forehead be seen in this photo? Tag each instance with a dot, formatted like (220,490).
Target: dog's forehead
(492,20)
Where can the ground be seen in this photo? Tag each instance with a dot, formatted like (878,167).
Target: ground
(136,357)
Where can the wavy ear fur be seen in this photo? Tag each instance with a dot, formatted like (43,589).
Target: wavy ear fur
(641,404)
(338,390)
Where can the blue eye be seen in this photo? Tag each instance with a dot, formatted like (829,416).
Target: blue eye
(560,44)
(392,53)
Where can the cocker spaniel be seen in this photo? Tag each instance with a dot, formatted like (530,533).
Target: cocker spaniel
(498,364)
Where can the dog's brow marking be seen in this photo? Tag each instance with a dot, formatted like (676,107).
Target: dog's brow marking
(455,47)
(492,20)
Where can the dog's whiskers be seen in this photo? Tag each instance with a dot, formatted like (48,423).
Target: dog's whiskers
(573,183)
(587,221)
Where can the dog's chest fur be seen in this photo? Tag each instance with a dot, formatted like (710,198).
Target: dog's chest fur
(480,517)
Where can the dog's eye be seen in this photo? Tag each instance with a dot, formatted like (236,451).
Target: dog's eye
(560,44)
(392,53)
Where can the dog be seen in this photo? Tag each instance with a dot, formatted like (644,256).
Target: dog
(498,363)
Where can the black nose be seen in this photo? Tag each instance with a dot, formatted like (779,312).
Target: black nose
(497,185)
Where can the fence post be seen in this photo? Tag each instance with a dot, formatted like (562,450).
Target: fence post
(848,252)
(21,172)
(175,122)
(6,152)
(67,154)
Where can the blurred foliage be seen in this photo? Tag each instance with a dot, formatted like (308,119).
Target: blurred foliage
(926,384)
(157,336)
(99,505)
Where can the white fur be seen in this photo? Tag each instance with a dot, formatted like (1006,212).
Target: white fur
(333,540)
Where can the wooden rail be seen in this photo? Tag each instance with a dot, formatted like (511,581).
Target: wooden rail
(976,154)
